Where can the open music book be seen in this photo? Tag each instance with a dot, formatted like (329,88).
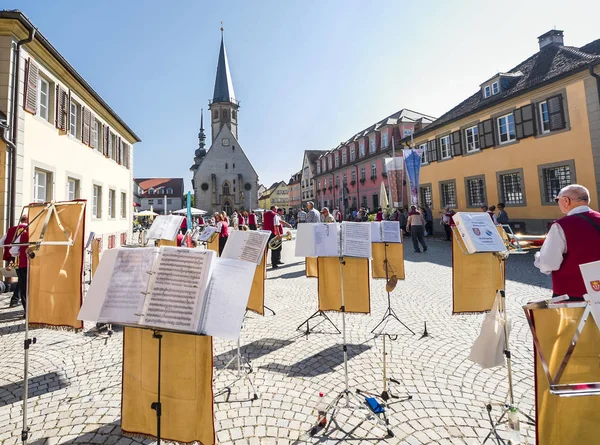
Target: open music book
(246,245)
(207,234)
(478,232)
(173,288)
(385,232)
(334,240)
(165,227)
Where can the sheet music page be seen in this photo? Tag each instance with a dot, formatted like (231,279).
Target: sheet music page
(326,239)
(165,227)
(227,298)
(178,286)
(391,231)
(375,232)
(246,246)
(206,234)
(126,285)
(305,240)
(356,239)
(96,294)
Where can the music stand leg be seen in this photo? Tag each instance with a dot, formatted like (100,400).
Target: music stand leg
(26,344)
(157,406)
(241,373)
(269,309)
(318,313)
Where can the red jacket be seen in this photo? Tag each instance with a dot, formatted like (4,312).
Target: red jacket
(252,219)
(268,221)
(224,230)
(11,235)
(583,246)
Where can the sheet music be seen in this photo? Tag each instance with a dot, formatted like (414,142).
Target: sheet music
(126,284)
(207,233)
(165,227)
(246,246)
(326,239)
(178,285)
(375,232)
(96,294)
(305,240)
(356,239)
(227,298)
(391,231)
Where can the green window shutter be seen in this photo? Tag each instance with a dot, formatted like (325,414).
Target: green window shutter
(431,151)
(455,140)
(556,113)
(486,133)
(62,99)
(30,98)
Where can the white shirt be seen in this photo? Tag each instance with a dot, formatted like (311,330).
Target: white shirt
(550,256)
(276,221)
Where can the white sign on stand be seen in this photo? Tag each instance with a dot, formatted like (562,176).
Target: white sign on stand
(591,278)
(478,232)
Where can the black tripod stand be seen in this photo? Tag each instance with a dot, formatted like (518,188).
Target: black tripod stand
(389,312)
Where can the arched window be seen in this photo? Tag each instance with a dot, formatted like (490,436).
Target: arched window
(227,207)
(169,191)
(225,115)
(151,191)
(226,188)
(160,191)
(215,115)
(234,114)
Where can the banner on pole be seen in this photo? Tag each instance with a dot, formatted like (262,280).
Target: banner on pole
(412,160)
(394,168)
(189,210)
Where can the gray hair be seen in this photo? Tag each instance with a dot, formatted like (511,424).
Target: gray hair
(310,203)
(576,192)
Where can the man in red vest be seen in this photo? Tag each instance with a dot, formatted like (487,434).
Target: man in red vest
(269,224)
(8,239)
(571,241)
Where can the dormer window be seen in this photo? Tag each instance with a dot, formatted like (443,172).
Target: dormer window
(491,89)
(495,88)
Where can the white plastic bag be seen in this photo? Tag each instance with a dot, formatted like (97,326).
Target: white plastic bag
(488,349)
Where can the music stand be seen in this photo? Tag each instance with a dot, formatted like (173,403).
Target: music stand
(242,372)
(346,395)
(49,210)
(501,256)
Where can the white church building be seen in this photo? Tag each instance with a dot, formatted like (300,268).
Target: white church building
(223,177)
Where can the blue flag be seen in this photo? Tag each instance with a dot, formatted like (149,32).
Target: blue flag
(189,210)
(412,163)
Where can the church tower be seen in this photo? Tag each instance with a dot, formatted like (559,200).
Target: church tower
(223,106)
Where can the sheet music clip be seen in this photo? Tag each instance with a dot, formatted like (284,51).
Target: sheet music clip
(555,386)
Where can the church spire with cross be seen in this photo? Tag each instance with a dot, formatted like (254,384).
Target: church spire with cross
(201,150)
(223,106)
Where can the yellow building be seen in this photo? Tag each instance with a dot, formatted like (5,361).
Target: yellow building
(521,138)
(276,195)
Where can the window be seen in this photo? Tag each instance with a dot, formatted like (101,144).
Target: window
(344,160)
(544,117)
(495,88)
(44,98)
(318,167)
(475,192)
(337,180)
(363,202)
(384,139)
(344,179)
(95,139)
(361,148)
(423,148)
(113,145)
(352,154)
(445,147)
(331,181)
(448,194)
(169,191)
(372,144)
(337,160)
(73,119)
(318,185)
(353,176)
(555,178)
(72,189)
(329,164)
(150,202)
(151,191)
(407,132)
(373,170)
(324,165)
(472,138)
(169,201)
(425,195)
(97,202)
(511,190)
(383,167)
(506,128)
(111,203)
(42,182)
(363,174)
(487,92)
(123,205)
(226,188)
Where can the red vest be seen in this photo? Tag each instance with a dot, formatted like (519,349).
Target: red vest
(268,219)
(252,219)
(224,230)
(583,246)
(10,238)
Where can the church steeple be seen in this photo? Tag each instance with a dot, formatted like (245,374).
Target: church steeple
(201,150)
(224,106)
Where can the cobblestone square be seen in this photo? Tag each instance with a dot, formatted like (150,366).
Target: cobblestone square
(75,379)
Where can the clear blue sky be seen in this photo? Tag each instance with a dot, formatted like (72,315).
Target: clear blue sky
(308,73)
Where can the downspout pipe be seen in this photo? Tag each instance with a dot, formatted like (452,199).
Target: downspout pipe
(12,192)
(593,74)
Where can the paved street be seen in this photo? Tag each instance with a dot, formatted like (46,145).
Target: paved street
(76,379)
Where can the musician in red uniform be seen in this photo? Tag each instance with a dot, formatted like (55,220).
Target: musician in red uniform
(269,224)
(8,239)
(279,222)
(571,241)
(252,220)
(222,230)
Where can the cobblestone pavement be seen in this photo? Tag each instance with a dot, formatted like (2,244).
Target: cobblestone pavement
(75,379)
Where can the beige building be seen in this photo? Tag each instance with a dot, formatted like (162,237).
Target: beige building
(63,141)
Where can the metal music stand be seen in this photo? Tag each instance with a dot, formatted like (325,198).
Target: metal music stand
(555,387)
(49,211)
(347,399)
(389,313)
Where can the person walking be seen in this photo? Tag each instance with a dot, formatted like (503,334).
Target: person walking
(502,217)
(428,215)
(572,240)
(416,226)
(313,214)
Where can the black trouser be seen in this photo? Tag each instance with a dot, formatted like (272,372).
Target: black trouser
(22,285)
(448,231)
(222,241)
(252,226)
(429,227)
(417,232)
(14,300)
(276,253)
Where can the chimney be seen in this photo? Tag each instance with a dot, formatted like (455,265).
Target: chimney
(553,37)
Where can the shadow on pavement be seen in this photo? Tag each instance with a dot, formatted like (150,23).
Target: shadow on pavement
(252,351)
(109,433)
(38,385)
(320,363)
